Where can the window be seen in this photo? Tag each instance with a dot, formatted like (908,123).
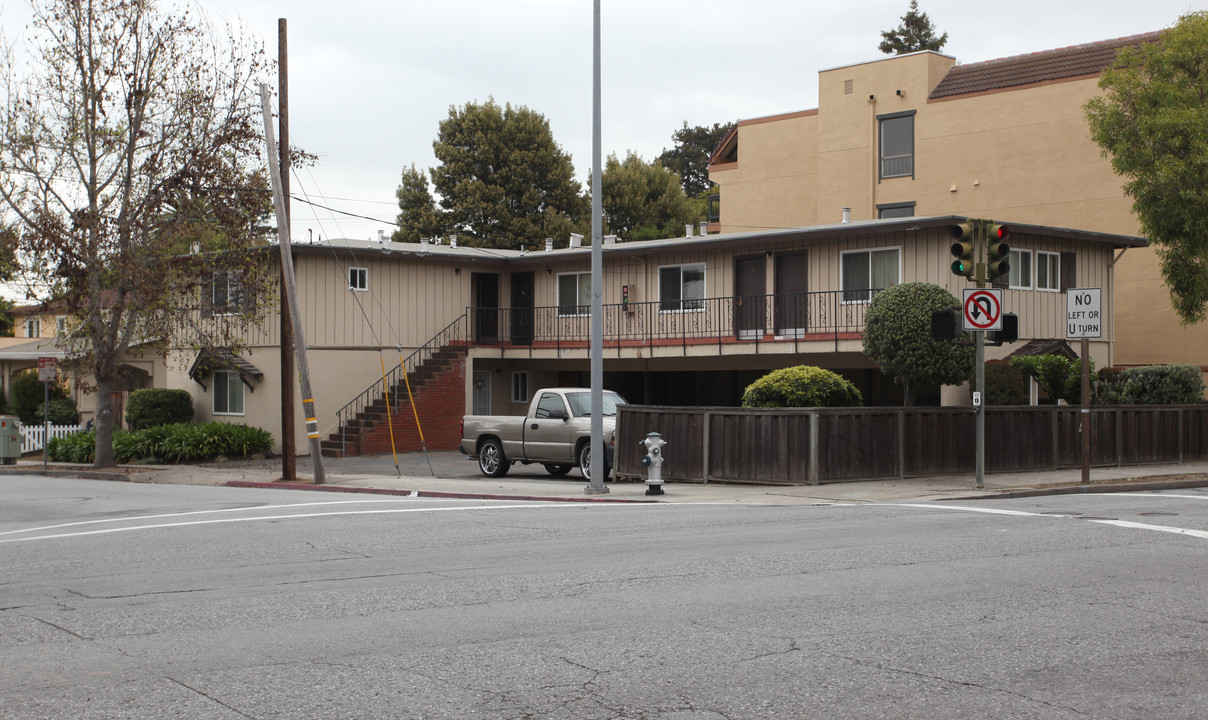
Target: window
(895,210)
(1020,274)
(520,392)
(863,272)
(682,287)
(574,294)
(549,403)
(897,145)
(60,326)
(33,328)
(358,279)
(228,393)
(1048,271)
(226,294)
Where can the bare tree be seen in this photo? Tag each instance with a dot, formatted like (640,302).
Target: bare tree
(130,163)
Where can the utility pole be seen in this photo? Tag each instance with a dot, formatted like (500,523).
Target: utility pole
(289,452)
(287,265)
(596,486)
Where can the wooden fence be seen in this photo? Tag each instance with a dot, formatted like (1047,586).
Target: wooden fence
(796,446)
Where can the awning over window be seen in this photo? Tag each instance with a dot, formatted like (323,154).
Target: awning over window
(214,360)
(1046,346)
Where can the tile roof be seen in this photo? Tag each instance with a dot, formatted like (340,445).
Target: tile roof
(1044,66)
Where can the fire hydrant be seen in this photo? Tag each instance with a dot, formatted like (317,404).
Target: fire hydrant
(654,461)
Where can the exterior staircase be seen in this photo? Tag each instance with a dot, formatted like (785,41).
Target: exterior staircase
(436,374)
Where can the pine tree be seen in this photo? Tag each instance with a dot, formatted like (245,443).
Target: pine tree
(916,33)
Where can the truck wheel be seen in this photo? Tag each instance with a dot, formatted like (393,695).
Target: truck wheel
(557,469)
(491,460)
(585,461)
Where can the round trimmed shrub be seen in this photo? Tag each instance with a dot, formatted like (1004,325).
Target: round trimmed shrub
(158,406)
(26,395)
(802,386)
(60,411)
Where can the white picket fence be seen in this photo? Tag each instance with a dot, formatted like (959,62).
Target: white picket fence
(33,437)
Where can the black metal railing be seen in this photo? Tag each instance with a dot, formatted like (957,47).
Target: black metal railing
(454,334)
(757,318)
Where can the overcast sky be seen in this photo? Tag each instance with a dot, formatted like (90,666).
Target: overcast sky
(370,81)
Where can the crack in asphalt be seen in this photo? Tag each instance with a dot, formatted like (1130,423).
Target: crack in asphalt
(59,627)
(211,698)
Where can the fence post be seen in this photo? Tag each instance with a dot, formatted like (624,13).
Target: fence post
(704,460)
(901,414)
(814,448)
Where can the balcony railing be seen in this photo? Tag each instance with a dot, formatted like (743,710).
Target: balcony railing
(796,317)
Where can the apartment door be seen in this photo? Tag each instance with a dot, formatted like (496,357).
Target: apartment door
(791,304)
(750,287)
(486,307)
(482,392)
(521,314)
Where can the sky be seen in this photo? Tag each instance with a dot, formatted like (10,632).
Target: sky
(370,81)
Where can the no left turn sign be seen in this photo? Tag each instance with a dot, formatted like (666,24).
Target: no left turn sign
(982,309)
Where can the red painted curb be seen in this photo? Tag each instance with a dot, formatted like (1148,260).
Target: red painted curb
(426,493)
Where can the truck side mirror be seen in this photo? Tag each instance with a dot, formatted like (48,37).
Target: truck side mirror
(557,414)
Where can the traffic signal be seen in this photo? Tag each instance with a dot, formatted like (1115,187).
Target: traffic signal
(966,244)
(945,324)
(1009,332)
(998,252)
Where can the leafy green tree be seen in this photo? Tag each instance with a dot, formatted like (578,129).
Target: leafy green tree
(1151,121)
(503,180)
(689,156)
(418,216)
(802,386)
(915,33)
(1057,375)
(128,133)
(897,337)
(26,394)
(644,201)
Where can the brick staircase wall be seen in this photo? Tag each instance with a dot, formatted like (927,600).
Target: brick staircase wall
(440,403)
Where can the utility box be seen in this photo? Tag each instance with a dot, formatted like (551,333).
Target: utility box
(10,439)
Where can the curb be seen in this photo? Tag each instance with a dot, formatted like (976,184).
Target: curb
(83,474)
(1080,489)
(426,493)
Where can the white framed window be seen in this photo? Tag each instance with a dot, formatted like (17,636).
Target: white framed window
(226,293)
(897,144)
(682,288)
(33,328)
(574,293)
(228,393)
(863,272)
(520,385)
(60,326)
(1048,271)
(358,279)
(1020,275)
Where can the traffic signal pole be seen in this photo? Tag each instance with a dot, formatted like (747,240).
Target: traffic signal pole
(979,345)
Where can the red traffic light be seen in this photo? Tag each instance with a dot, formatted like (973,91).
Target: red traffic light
(998,232)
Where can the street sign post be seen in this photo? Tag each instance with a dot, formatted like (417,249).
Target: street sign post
(1084,319)
(982,308)
(48,368)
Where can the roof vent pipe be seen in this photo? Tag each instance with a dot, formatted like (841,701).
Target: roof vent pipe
(704,228)
(846,215)
(381,236)
(688,230)
(423,244)
(610,239)
(576,240)
(549,244)
(452,241)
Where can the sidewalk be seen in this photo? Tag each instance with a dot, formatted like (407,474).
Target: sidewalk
(452,475)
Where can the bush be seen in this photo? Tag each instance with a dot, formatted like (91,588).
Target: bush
(60,411)
(182,442)
(802,386)
(1160,385)
(1057,375)
(27,395)
(156,406)
(1005,384)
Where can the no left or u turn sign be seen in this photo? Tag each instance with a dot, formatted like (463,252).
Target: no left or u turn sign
(982,308)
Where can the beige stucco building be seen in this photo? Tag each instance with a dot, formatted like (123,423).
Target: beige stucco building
(921,135)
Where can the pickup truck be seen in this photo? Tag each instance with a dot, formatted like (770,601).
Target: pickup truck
(556,433)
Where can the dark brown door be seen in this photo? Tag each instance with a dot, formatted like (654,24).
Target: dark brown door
(791,305)
(522,308)
(486,307)
(749,291)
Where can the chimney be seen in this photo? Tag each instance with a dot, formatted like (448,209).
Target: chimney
(549,244)
(452,241)
(576,240)
(423,245)
(381,236)
(610,239)
(704,228)
(846,215)
(688,230)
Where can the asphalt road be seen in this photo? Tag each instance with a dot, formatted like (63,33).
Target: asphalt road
(149,601)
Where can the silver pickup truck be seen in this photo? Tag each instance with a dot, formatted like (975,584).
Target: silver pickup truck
(556,433)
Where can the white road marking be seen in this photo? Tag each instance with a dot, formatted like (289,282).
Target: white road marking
(291,516)
(1203,534)
(970,508)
